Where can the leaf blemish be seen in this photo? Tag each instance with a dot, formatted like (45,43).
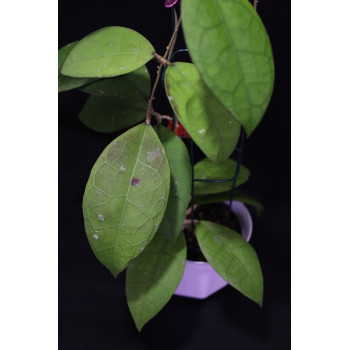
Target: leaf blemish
(152,155)
(95,236)
(101,217)
(201,131)
(122,168)
(134,181)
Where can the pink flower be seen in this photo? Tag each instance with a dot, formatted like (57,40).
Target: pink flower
(170,3)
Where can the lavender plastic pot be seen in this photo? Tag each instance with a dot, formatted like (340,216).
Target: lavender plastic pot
(199,279)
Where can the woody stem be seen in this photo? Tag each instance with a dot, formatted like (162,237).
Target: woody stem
(168,51)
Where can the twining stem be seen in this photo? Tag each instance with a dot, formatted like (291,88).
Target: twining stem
(168,52)
(255,4)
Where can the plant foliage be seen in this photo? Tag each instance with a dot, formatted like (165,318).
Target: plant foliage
(137,195)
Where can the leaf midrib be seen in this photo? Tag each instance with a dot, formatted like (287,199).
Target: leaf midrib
(127,194)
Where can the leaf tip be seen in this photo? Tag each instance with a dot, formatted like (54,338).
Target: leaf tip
(139,326)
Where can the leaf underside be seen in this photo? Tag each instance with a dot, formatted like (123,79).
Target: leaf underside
(180,183)
(207,170)
(210,124)
(108,52)
(232,258)
(126,196)
(153,277)
(231,49)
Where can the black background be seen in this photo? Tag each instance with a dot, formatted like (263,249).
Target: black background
(93,313)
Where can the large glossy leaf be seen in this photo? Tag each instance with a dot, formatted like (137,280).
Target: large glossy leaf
(153,277)
(230,47)
(207,170)
(64,82)
(180,183)
(108,52)
(125,197)
(233,258)
(134,86)
(208,122)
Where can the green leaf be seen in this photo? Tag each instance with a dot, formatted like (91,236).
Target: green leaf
(153,277)
(107,114)
(135,85)
(232,258)
(108,52)
(125,197)
(64,82)
(230,47)
(208,122)
(118,102)
(225,196)
(180,183)
(207,170)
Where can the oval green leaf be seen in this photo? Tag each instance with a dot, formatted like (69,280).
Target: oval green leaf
(209,123)
(231,49)
(152,278)
(107,114)
(180,183)
(125,197)
(233,258)
(207,170)
(118,102)
(135,85)
(108,52)
(64,82)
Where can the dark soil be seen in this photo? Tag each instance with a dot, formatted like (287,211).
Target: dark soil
(216,212)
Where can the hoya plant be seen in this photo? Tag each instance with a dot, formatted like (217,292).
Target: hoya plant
(140,189)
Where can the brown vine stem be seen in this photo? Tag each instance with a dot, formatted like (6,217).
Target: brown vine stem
(168,52)
(255,4)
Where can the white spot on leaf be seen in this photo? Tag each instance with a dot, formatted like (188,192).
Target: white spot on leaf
(95,236)
(101,217)
(122,168)
(170,98)
(201,131)
(102,92)
(152,155)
